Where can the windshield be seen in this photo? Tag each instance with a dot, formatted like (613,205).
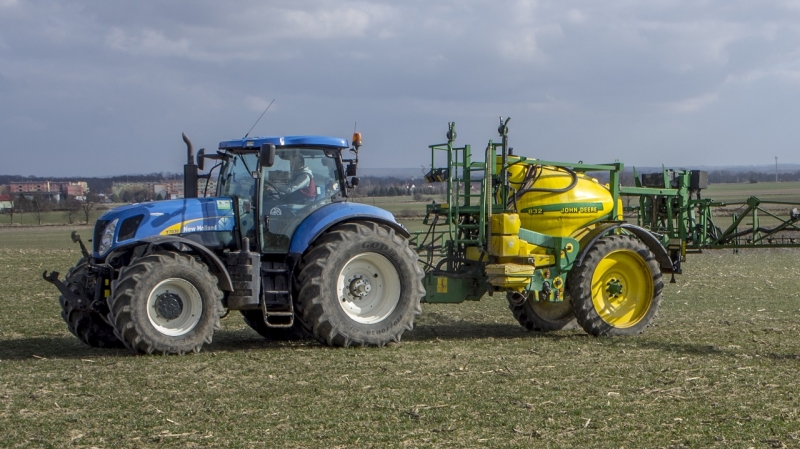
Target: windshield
(236,178)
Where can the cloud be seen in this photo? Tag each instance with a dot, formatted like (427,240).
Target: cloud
(692,104)
(618,74)
(147,42)
(258,104)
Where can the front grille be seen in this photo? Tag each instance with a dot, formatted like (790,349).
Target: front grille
(128,227)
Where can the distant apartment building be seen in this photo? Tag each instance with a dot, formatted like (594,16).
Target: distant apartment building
(55,190)
(6,202)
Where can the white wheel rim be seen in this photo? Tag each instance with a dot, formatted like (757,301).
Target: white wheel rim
(368,287)
(190,309)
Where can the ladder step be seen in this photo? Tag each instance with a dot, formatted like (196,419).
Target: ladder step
(276,300)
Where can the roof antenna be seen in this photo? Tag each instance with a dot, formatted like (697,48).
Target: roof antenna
(259,119)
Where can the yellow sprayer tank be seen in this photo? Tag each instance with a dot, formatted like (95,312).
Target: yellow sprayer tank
(558,214)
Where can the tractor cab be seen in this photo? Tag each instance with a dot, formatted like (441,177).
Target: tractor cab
(276,182)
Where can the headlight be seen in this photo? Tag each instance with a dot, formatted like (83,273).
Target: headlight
(107,239)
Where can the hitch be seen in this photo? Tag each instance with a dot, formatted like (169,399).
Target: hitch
(71,297)
(76,238)
(62,288)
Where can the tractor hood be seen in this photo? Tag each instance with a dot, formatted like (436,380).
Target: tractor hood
(127,224)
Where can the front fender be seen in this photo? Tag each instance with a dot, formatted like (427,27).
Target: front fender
(323,218)
(216,267)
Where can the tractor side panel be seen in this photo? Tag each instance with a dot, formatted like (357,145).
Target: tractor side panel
(199,219)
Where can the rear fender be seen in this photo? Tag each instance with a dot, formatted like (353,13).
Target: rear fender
(647,237)
(324,218)
(215,265)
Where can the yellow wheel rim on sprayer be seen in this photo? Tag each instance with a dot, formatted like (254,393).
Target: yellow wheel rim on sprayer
(622,288)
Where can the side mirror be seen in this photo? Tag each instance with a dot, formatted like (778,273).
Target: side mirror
(267,155)
(201,157)
(351,169)
(354,181)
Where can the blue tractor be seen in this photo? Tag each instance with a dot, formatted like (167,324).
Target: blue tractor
(279,242)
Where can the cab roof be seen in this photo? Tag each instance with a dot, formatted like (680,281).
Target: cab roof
(285,141)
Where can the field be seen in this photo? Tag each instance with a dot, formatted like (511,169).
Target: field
(767,191)
(718,369)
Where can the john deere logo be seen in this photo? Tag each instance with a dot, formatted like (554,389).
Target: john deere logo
(566,208)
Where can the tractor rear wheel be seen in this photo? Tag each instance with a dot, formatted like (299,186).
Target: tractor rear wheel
(542,316)
(360,285)
(617,290)
(89,327)
(165,303)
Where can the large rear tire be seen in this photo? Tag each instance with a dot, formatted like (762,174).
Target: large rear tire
(617,290)
(360,285)
(165,303)
(542,316)
(89,327)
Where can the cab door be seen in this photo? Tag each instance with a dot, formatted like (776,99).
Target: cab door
(281,210)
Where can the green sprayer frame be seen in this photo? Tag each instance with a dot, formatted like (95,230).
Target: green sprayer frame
(671,217)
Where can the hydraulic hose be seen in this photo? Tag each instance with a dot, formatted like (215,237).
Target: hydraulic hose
(530,178)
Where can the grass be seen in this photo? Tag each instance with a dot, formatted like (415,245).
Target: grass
(718,369)
(49,218)
(767,191)
(402,206)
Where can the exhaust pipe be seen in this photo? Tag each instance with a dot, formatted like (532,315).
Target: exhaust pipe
(189,171)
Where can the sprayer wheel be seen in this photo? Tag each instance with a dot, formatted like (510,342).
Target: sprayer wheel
(541,316)
(617,290)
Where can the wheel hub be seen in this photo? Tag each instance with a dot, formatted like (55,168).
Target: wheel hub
(169,306)
(614,287)
(359,287)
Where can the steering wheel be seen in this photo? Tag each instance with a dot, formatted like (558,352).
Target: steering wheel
(272,191)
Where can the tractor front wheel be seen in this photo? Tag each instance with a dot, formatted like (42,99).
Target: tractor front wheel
(165,303)
(89,327)
(617,290)
(541,316)
(360,285)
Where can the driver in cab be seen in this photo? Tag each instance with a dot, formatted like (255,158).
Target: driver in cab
(300,188)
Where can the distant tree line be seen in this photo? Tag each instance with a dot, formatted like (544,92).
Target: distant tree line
(96,184)
(714,176)
(391,186)
(373,185)
(39,203)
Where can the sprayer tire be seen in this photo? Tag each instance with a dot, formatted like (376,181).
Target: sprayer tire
(360,285)
(617,290)
(89,327)
(165,303)
(539,316)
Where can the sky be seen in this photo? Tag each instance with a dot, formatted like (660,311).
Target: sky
(99,88)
